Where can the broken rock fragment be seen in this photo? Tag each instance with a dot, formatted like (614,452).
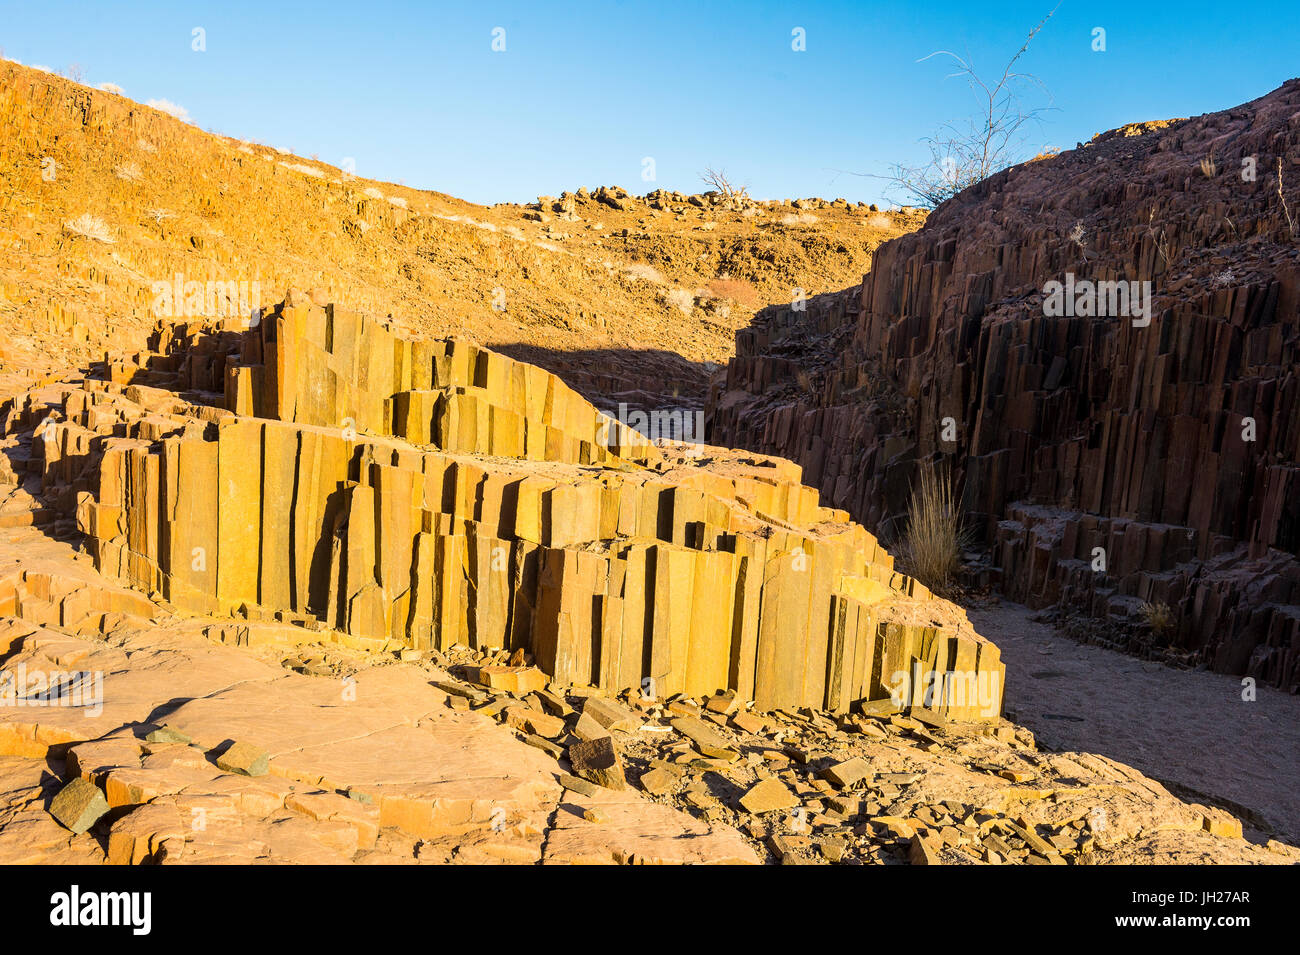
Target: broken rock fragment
(706,739)
(598,761)
(658,781)
(167,734)
(610,714)
(578,785)
(79,805)
(849,773)
(244,759)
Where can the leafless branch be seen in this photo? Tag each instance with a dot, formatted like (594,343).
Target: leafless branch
(989,142)
(718,181)
(1290,223)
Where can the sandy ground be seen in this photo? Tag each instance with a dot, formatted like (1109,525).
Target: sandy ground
(1185,728)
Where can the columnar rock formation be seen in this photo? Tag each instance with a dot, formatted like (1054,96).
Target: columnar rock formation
(327,469)
(1107,461)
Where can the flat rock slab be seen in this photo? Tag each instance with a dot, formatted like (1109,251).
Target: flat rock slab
(414,769)
(634,830)
(769,795)
(706,739)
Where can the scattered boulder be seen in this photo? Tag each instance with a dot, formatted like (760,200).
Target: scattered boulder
(167,734)
(244,759)
(598,761)
(79,805)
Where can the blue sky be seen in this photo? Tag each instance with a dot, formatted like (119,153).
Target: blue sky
(584,92)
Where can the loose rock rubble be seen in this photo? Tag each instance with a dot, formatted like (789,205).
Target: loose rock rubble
(814,787)
(202,752)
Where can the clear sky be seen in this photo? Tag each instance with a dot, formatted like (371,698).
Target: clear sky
(583,93)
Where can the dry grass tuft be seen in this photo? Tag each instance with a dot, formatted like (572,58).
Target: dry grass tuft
(1290,222)
(91,228)
(170,108)
(1159,617)
(933,539)
(804,218)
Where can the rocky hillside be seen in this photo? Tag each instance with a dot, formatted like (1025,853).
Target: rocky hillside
(1105,460)
(101,198)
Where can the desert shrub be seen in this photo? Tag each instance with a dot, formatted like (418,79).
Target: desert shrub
(737,290)
(963,154)
(680,298)
(642,270)
(720,182)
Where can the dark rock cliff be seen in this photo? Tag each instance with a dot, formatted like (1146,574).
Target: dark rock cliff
(1171,445)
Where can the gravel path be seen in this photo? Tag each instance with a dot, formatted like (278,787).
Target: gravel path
(1183,727)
